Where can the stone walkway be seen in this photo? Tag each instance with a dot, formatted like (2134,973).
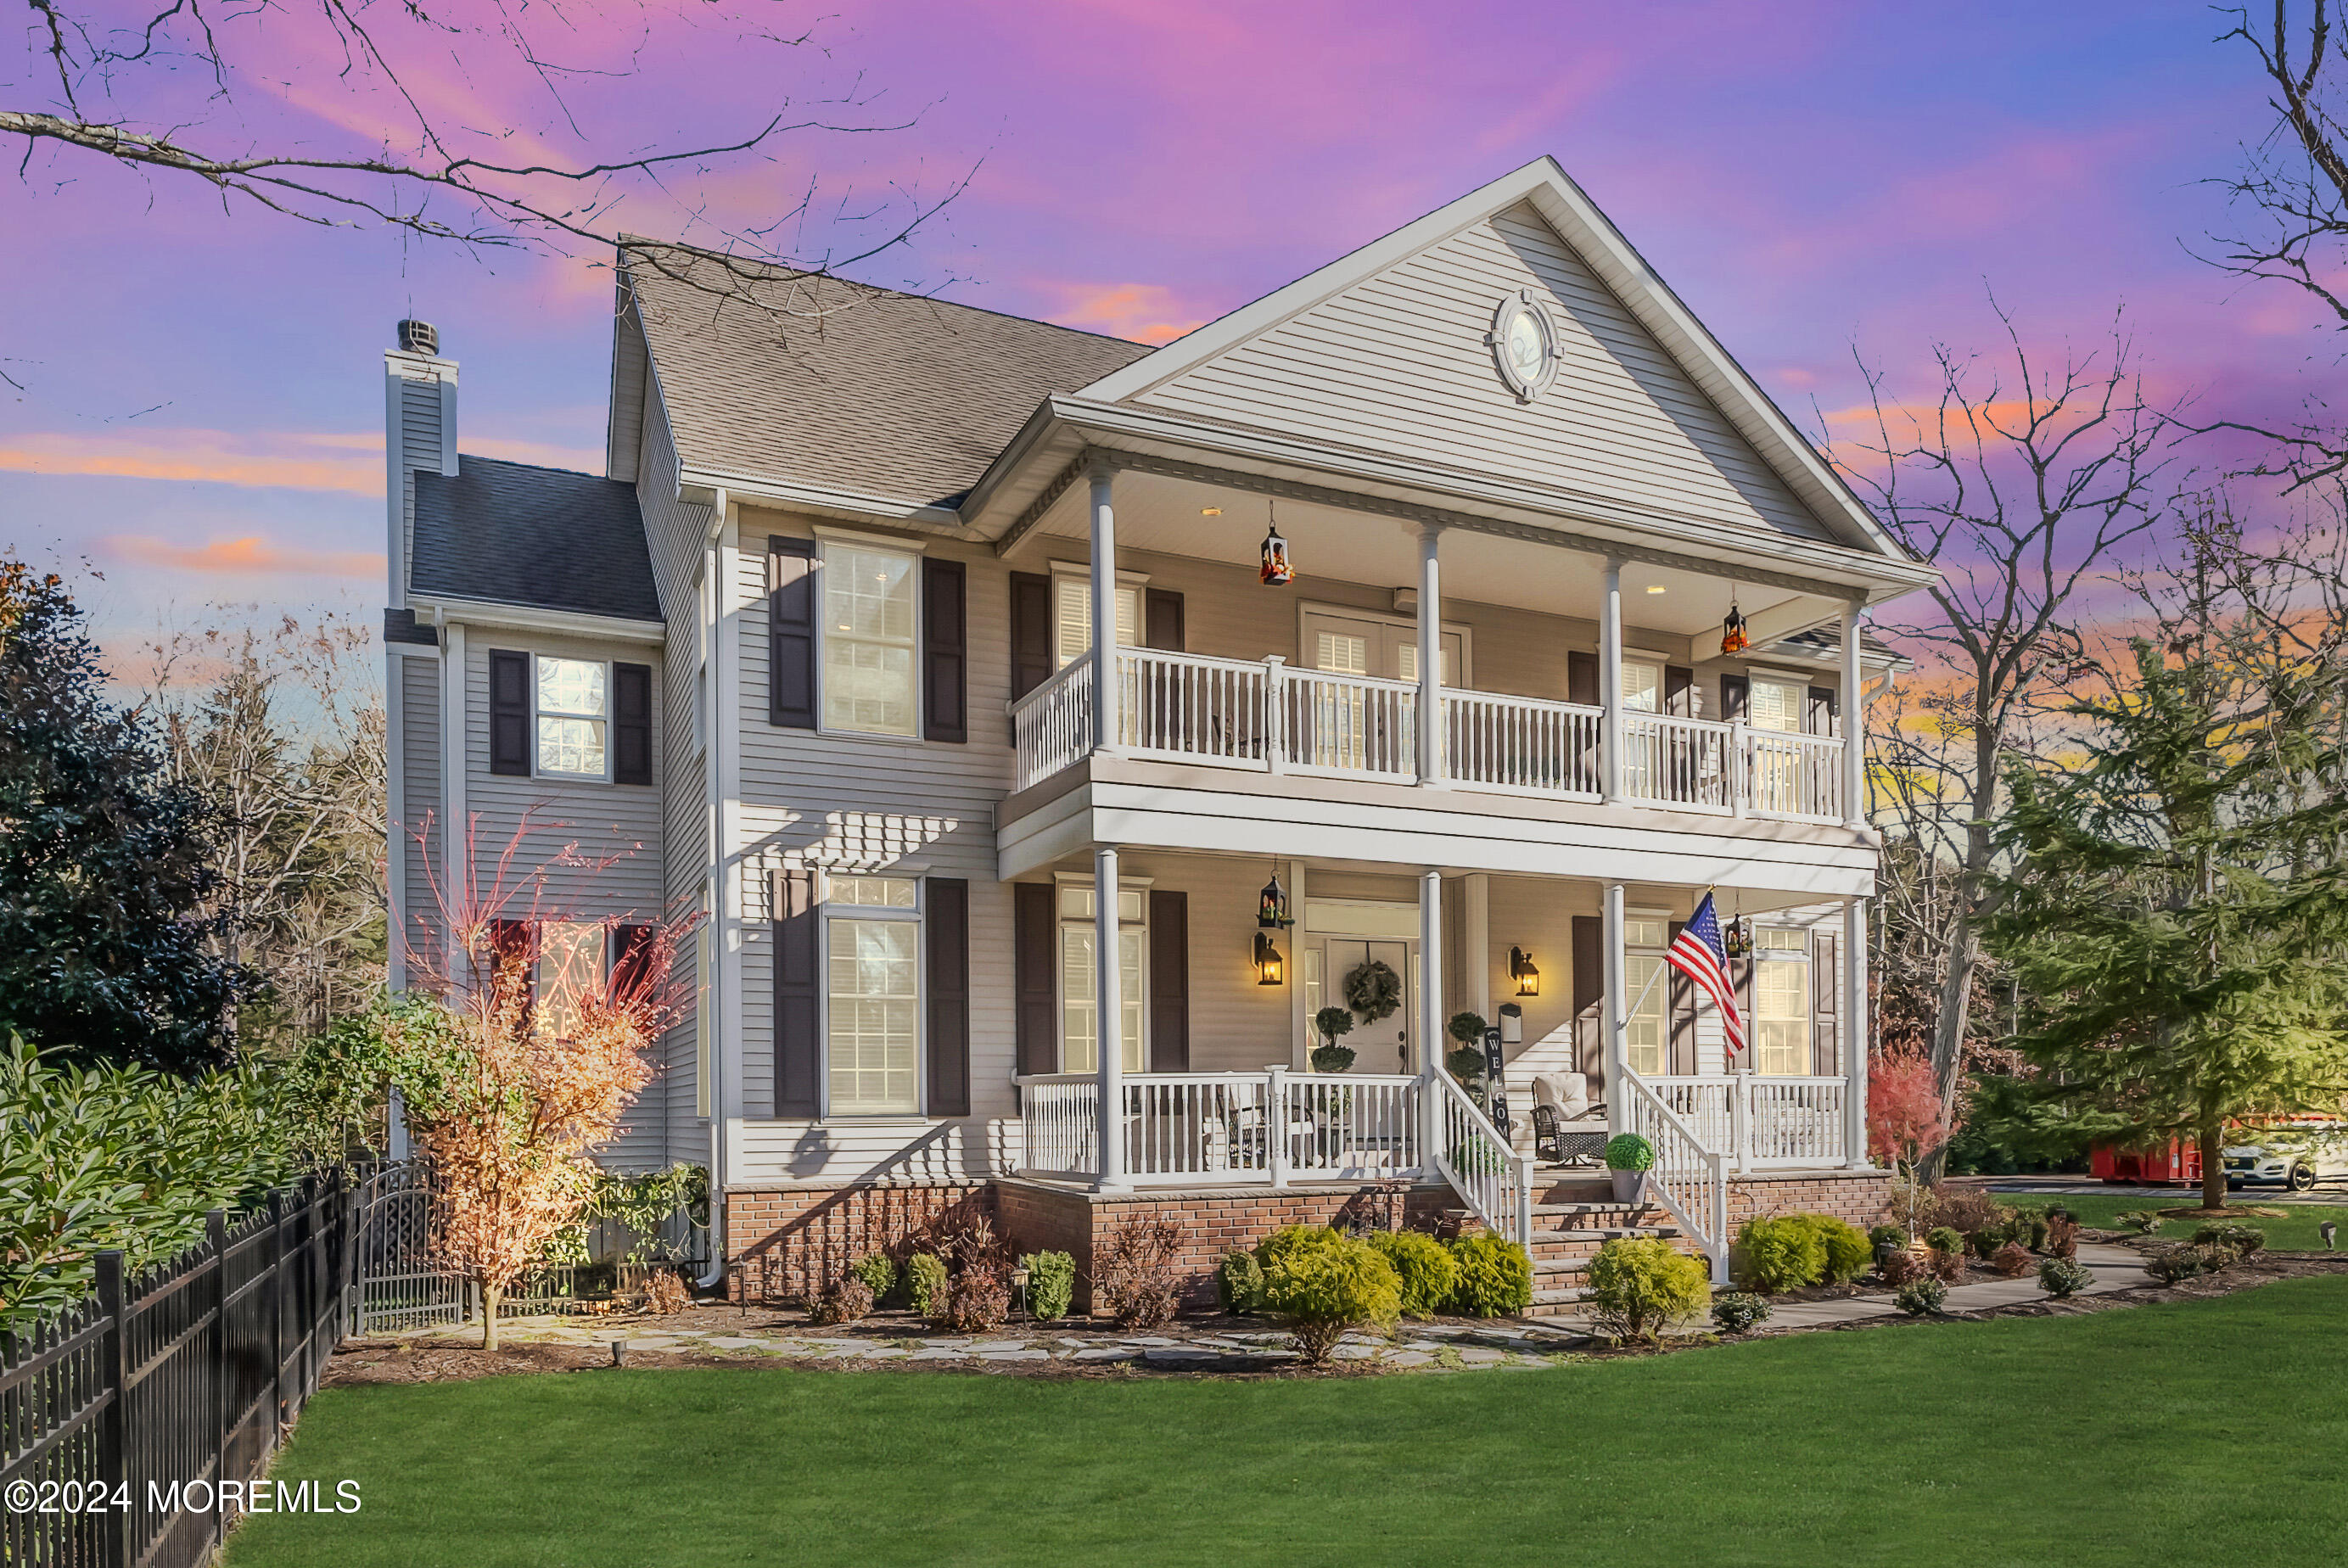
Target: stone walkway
(2114,1268)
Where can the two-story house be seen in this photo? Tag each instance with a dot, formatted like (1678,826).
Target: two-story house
(1430,635)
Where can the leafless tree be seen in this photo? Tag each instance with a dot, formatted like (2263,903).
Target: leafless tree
(2019,482)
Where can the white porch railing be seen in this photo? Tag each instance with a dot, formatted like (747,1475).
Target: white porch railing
(1475,1158)
(1253,1129)
(1265,716)
(1690,1179)
(1762,1122)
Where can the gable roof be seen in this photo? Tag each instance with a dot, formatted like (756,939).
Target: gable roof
(1544,186)
(802,378)
(512,534)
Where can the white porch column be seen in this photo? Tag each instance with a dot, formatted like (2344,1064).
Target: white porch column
(1430,1014)
(1616,1004)
(1858,1055)
(1108,1017)
(1105,726)
(1609,686)
(1430,657)
(1854,731)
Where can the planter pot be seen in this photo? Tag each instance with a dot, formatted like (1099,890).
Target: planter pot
(1628,1184)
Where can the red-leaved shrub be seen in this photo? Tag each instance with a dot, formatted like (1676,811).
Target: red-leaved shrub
(1134,1273)
(2012,1259)
(2061,1236)
(1900,1267)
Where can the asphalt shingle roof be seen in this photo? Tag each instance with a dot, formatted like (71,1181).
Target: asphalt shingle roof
(515,534)
(809,379)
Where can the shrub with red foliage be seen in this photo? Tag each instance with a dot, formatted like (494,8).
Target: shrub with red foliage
(2061,1236)
(1900,1267)
(1906,1118)
(1136,1277)
(2012,1259)
(1949,1267)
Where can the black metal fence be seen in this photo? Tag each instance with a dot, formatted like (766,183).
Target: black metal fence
(121,1420)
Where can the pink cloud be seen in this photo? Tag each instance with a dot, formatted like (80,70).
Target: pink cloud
(340,462)
(243,557)
(1140,313)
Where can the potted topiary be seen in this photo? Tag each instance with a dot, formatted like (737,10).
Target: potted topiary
(1332,1057)
(1629,1158)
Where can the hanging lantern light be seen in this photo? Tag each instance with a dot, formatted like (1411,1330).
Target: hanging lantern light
(1271,906)
(1738,938)
(1270,968)
(1521,970)
(1276,572)
(1733,639)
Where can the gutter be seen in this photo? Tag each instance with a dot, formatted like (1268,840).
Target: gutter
(712,555)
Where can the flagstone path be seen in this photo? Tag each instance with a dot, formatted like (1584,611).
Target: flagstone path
(2114,1268)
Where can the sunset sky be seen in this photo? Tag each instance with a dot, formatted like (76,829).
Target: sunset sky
(202,418)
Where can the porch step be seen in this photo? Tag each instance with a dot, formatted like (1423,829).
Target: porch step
(1570,1210)
(1597,1236)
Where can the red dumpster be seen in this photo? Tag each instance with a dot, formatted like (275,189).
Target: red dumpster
(2175,1161)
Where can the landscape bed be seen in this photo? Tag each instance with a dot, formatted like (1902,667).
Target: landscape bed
(2111,1437)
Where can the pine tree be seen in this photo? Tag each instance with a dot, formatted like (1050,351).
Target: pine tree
(106,864)
(2172,907)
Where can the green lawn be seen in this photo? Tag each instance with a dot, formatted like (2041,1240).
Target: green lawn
(2169,1434)
(2295,1228)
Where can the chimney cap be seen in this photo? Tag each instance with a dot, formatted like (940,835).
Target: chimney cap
(419,337)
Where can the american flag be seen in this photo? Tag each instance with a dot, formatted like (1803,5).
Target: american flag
(1698,953)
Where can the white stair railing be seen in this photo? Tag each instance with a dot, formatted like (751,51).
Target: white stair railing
(1690,1180)
(1052,727)
(1476,1159)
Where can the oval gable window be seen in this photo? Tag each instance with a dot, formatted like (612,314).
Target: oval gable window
(1524,345)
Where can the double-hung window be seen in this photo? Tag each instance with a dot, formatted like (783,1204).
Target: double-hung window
(571,964)
(574,712)
(1781,1000)
(872,996)
(870,680)
(1644,1034)
(1079,1000)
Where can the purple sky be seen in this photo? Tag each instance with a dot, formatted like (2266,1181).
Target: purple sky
(202,418)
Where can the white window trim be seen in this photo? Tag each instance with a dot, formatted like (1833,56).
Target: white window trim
(611,701)
(823,725)
(1078,571)
(910,545)
(828,912)
(1307,608)
(1060,923)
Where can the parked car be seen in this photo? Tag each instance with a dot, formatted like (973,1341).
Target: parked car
(2299,1167)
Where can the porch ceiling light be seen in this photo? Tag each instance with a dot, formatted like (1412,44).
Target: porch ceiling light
(1521,970)
(1655,588)
(1270,968)
(1733,639)
(1210,511)
(1276,572)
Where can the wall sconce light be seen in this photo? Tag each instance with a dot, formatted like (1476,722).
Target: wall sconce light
(1521,970)
(1275,571)
(1270,968)
(1733,639)
(1272,905)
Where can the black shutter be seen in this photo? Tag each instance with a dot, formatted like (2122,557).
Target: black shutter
(1682,1017)
(1169,982)
(1740,980)
(1034,963)
(1818,713)
(1162,616)
(632,724)
(514,943)
(1582,679)
(790,633)
(1031,632)
(798,1017)
(947,916)
(1826,1041)
(1736,698)
(1588,991)
(631,950)
(509,712)
(1679,691)
(945,652)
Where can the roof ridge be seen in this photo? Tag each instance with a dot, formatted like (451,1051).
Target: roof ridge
(463,456)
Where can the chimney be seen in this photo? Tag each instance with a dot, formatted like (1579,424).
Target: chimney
(419,433)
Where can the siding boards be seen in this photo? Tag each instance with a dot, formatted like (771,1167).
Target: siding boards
(1398,363)
(419,727)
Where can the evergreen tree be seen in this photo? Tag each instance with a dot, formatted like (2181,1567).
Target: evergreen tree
(107,867)
(2172,907)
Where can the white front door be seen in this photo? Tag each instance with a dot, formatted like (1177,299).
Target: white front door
(1384,1046)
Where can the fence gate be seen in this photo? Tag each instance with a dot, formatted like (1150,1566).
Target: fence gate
(395,1286)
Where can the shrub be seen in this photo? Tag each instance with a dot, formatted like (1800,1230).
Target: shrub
(1734,1311)
(2062,1235)
(1889,1236)
(2243,1241)
(1984,1244)
(2012,1259)
(1949,1268)
(978,1291)
(1466,1064)
(1962,1209)
(2186,1261)
(1846,1248)
(844,1300)
(925,1278)
(1901,1268)
(1051,1284)
(1238,1283)
(1922,1298)
(664,1293)
(1496,1277)
(1332,1059)
(1642,1289)
(2065,1276)
(1477,1155)
(2027,1225)
(1427,1272)
(1629,1151)
(1944,1239)
(1777,1254)
(1325,1283)
(1136,1277)
(878,1272)
(2145,1221)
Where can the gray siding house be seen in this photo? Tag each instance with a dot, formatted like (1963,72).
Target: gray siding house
(941,662)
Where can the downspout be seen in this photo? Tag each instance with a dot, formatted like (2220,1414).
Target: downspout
(713,558)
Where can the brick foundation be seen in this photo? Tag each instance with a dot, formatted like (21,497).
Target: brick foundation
(1858,1196)
(793,1242)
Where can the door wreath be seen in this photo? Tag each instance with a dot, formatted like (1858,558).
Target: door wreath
(1374,990)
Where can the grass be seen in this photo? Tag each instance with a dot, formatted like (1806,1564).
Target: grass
(2295,1230)
(2193,1433)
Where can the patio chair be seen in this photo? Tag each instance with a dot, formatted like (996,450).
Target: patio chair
(1569,1126)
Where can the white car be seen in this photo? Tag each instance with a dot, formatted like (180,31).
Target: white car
(2299,1166)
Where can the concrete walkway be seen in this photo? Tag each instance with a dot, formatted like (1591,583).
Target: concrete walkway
(2114,1268)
